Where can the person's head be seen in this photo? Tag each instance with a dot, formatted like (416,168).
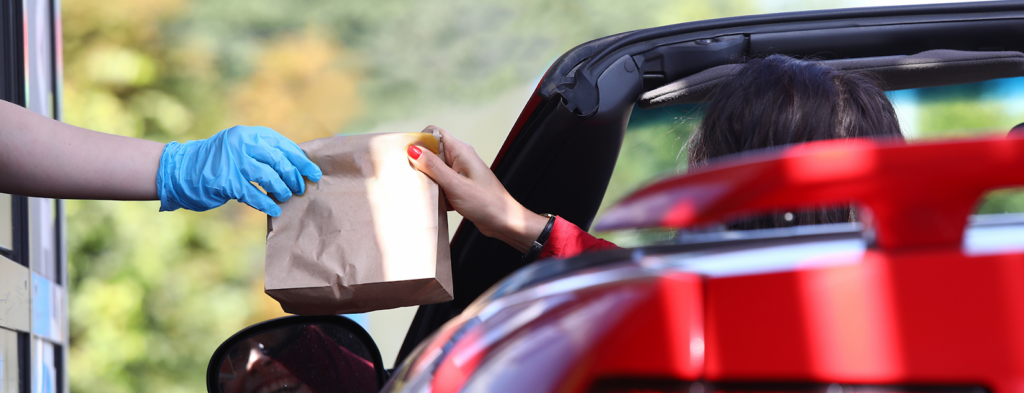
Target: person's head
(779,100)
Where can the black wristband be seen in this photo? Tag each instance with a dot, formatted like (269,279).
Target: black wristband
(538,244)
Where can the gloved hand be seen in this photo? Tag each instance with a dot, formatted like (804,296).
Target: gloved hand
(201,175)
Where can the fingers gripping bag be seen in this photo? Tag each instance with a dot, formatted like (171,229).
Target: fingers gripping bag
(372,234)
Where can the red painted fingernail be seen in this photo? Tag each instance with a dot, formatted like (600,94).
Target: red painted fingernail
(414,152)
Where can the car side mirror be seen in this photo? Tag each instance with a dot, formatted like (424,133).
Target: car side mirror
(297,354)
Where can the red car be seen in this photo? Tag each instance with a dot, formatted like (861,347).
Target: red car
(922,296)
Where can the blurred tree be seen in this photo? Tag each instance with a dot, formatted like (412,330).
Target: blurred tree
(416,56)
(152,295)
(990,107)
(298,89)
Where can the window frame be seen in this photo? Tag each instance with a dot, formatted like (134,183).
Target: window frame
(12,89)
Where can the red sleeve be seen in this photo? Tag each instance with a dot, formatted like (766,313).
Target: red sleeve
(568,240)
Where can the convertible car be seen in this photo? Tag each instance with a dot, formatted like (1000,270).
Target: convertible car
(922,295)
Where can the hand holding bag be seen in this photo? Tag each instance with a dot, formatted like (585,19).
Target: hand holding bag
(371,235)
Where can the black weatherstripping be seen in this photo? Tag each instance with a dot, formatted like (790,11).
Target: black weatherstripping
(562,159)
(868,28)
(666,63)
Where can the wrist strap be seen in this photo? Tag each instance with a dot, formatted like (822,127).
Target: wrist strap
(538,244)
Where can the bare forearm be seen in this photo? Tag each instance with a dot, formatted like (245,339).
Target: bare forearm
(472,190)
(518,228)
(46,158)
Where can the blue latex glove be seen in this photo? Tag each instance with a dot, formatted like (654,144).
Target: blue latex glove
(201,175)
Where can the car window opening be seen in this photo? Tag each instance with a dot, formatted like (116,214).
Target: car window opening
(655,143)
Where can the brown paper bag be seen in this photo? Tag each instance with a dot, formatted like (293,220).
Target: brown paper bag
(371,235)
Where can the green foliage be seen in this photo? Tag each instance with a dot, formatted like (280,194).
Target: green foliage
(966,111)
(1010,200)
(416,54)
(153,294)
(654,147)
(963,118)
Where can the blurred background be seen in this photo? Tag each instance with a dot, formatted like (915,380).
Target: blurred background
(152,295)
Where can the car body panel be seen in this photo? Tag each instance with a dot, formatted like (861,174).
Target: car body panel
(932,317)
(831,315)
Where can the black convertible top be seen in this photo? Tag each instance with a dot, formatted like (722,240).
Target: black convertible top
(939,67)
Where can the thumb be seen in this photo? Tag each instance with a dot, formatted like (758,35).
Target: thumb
(430,164)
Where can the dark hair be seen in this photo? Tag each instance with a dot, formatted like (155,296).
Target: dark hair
(779,100)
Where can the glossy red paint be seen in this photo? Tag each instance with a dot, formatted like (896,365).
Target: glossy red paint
(917,195)
(453,372)
(650,326)
(661,337)
(434,348)
(932,317)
